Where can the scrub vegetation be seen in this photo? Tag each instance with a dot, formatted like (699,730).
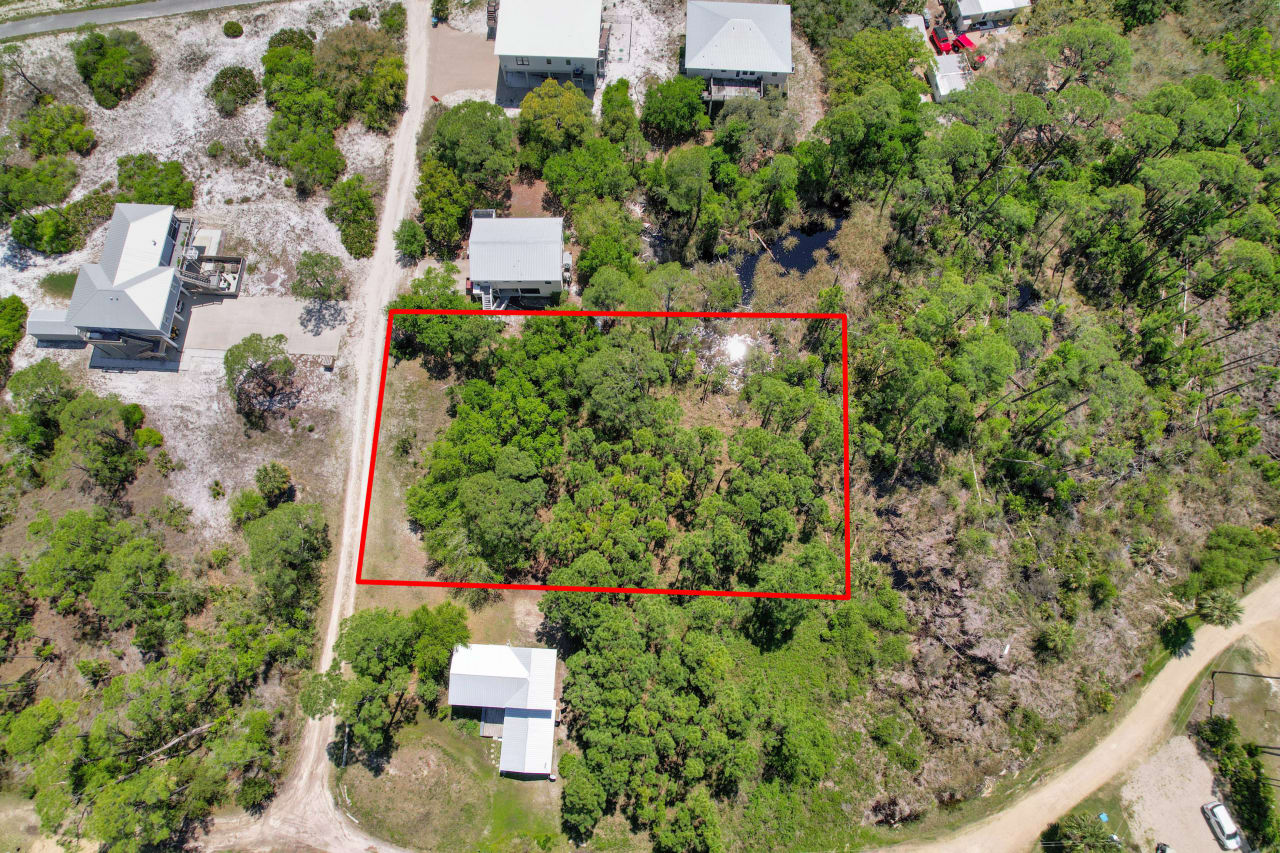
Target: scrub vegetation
(179,709)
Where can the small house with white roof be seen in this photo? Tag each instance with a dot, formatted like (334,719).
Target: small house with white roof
(515,689)
(739,48)
(949,74)
(515,258)
(559,39)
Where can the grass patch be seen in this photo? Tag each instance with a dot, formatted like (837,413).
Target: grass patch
(441,791)
(58,285)
(1106,800)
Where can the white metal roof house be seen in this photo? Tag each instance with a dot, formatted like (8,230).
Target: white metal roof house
(133,304)
(950,74)
(561,39)
(985,14)
(516,258)
(738,47)
(519,682)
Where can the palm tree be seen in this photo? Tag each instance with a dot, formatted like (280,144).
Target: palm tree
(1219,607)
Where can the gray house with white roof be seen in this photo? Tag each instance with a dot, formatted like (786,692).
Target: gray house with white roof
(515,258)
(540,39)
(739,48)
(133,305)
(515,689)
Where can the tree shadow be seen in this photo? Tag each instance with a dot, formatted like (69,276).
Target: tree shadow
(1178,637)
(17,257)
(321,315)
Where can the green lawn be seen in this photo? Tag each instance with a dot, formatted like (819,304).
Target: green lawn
(441,790)
(58,285)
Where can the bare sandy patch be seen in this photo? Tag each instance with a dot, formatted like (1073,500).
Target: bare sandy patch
(1163,798)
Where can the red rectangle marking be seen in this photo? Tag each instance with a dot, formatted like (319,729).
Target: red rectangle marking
(714,315)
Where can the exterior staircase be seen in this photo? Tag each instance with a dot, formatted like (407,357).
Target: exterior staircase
(486,299)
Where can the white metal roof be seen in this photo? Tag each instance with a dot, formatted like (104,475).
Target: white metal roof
(915,22)
(738,37)
(528,741)
(128,288)
(510,677)
(516,249)
(50,323)
(972,8)
(565,28)
(951,75)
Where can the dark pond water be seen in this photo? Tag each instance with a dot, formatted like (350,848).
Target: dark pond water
(798,259)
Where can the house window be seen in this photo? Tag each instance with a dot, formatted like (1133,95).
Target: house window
(530,291)
(548,61)
(522,60)
(568,62)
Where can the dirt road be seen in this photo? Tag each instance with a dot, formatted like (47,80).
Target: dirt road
(1138,733)
(303,813)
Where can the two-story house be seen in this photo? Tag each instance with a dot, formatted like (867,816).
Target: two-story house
(559,39)
(132,306)
(739,48)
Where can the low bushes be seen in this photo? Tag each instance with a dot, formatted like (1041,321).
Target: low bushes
(113,65)
(232,88)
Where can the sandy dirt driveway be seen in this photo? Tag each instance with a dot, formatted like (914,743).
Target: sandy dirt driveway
(1163,798)
(1138,734)
(304,814)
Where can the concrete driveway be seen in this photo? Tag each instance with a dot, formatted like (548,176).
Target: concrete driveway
(312,328)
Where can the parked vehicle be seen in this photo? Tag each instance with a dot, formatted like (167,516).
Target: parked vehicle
(938,36)
(1223,827)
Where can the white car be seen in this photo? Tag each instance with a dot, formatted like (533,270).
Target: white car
(1224,828)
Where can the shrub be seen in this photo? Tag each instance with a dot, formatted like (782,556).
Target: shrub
(53,128)
(232,29)
(292,37)
(319,276)
(352,209)
(440,9)
(1232,557)
(144,179)
(1055,640)
(50,231)
(360,13)
(113,65)
(393,20)
(274,482)
(411,240)
(254,793)
(247,506)
(13,325)
(148,437)
(93,671)
(673,110)
(364,71)
(232,88)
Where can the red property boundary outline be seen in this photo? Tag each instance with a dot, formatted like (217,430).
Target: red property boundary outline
(377,430)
